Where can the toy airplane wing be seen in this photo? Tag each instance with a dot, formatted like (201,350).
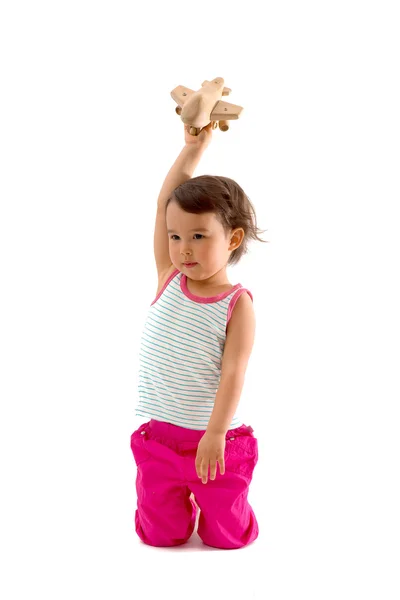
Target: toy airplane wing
(226,111)
(180,94)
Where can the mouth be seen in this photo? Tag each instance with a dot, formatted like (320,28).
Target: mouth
(190,264)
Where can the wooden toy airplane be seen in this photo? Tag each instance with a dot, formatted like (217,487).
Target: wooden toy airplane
(198,108)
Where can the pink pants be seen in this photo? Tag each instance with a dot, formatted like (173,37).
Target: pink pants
(166,476)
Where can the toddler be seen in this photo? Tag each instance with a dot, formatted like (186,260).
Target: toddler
(195,348)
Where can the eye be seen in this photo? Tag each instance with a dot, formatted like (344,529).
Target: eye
(174,235)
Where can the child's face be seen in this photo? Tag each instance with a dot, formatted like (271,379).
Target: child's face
(210,249)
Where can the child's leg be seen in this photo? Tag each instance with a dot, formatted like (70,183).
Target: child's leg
(165,514)
(226,519)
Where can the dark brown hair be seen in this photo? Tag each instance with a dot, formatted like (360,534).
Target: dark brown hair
(227,200)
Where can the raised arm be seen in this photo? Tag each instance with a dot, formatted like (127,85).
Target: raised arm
(182,170)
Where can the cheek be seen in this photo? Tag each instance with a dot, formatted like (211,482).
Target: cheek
(174,253)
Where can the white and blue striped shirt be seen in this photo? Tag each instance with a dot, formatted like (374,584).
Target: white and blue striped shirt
(181,354)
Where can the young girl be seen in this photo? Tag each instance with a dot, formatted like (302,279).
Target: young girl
(195,348)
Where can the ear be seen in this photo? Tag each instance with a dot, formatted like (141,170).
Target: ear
(237,237)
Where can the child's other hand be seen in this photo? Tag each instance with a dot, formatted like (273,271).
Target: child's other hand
(210,451)
(202,140)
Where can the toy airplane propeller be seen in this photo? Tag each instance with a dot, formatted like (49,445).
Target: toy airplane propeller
(197,109)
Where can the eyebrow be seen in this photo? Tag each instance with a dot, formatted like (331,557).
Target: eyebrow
(196,229)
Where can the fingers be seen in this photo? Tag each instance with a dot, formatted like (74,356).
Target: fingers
(202,469)
(213,470)
(203,472)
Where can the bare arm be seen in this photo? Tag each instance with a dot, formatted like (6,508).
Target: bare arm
(237,350)
(187,161)
(182,170)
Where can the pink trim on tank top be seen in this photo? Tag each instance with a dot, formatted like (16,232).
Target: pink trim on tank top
(208,299)
(234,300)
(164,286)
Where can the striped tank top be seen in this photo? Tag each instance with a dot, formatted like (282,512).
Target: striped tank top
(181,354)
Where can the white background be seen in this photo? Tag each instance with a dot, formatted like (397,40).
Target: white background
(88,131)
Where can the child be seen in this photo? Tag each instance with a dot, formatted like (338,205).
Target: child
(196,344)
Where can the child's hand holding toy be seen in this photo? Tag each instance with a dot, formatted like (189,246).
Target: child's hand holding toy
(202,140)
